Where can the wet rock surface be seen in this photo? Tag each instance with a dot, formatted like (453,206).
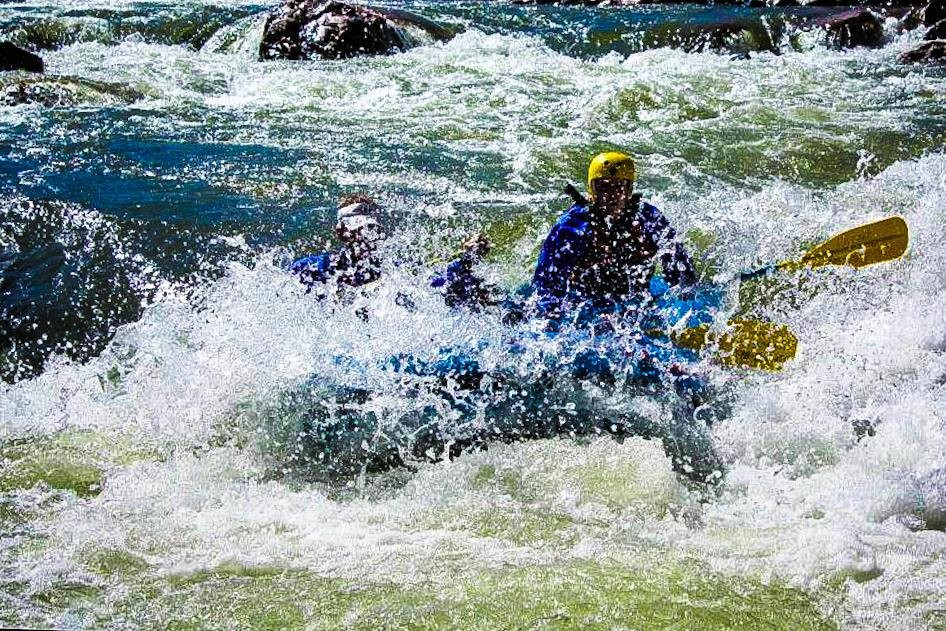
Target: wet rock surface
(849,29)
(774,31)
(930,52)
(934,12)
(23,89)
(575,3)
(600,3)
(734,36)
(303,29)
(408,20)
(13,57)
(773,3)
(908,18)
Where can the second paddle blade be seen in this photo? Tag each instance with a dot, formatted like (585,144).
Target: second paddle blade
(757,344)
(746,343)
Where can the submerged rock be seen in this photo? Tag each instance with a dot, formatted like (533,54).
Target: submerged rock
(631,3)
(930,52)
(571,3)
(735,36)
(908,18)
(828,3)
(625,3)
(20,89)
(851,28)
(408,20)
(308,29)
(15,58)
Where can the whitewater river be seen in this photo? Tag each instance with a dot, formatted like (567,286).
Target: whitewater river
(157,360)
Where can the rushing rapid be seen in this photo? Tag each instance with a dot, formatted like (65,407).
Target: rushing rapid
(161,369)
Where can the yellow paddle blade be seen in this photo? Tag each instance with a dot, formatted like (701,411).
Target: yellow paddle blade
(757,344)
(747,343)
(876,242)
(694,339)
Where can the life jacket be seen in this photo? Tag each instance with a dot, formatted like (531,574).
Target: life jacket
(620,258)
(588,258)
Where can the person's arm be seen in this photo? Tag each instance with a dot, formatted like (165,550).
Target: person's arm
(678,269)
(558,258)
(460,283)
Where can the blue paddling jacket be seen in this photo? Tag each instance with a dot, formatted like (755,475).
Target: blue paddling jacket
(587,258)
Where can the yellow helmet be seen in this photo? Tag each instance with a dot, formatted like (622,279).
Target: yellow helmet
(610,165)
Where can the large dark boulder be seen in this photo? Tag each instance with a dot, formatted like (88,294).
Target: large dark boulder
(847,29)
(937,31)
(929,52)
(306,29)
(15,58)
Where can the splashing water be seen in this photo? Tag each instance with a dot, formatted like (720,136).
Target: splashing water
(151,473)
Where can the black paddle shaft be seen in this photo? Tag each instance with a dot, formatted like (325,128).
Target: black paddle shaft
(580,199)
(576,195)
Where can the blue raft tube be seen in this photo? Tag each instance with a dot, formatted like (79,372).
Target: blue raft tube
(554,377)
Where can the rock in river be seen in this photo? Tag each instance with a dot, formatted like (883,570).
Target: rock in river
(937,31)
(929,52)
(21,89)
(847,29)
(934,12)
(15,58)
(734,35)
(309,29)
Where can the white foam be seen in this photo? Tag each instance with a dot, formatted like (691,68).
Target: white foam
(804,501)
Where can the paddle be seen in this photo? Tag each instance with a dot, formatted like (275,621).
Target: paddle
(884,240)
(768,346)
(765,345)
(746,343)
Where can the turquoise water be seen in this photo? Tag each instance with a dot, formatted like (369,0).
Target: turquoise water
(153,343)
